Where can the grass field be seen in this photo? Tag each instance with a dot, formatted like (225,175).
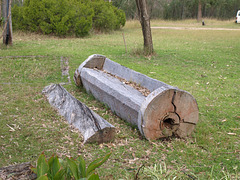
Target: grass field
(203,62)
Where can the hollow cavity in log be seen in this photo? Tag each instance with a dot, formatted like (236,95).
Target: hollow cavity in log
(144,91)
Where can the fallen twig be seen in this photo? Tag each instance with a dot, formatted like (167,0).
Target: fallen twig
(136,176)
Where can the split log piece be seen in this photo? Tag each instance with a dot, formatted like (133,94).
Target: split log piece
(93,127)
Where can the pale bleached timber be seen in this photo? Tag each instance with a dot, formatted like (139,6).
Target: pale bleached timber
(166,111)
(93,127)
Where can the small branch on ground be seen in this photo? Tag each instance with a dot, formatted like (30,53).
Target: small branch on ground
(136,176)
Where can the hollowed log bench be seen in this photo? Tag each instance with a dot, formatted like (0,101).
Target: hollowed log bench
(165,112)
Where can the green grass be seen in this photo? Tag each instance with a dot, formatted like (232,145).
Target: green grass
(204,63)
(192,23)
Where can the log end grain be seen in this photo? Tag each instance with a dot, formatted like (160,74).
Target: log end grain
(168,112)
(93,61)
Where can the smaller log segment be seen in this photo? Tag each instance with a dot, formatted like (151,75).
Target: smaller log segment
(93,127)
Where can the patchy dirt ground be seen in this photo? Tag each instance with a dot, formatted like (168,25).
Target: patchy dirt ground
(193,28)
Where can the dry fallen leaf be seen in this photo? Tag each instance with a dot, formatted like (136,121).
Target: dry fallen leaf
(11,128)
(232,133)
(132,161)
(136,86)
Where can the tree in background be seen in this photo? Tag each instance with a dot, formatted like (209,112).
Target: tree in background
(7,20)
(183,9)
(0,12)
(146,28)
(199,17)
(129,7)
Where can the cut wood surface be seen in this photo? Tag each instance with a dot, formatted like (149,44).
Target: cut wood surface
(93,127)
(165,111)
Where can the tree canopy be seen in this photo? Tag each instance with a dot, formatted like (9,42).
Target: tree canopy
(182,9)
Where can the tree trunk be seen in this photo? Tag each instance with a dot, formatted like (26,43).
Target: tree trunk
(199,18)
(145,23)
(0,12)
(91,125)
(7,30)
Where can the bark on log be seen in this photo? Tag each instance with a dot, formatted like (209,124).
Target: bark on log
(93,127)
(165,112)
(20,171)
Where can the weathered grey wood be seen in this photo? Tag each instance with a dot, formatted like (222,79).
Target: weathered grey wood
(166,111)
(93,61)
(93,127)
(122,99)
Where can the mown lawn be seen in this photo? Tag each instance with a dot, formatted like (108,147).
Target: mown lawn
(205,63)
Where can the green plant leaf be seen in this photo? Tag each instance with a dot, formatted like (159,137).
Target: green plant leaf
(50,165)
(94,177)
(34,170)
(73,168)
(43,177)
(82,166)
(50,161)
(96,163)
(59,175)
(55,166)
(42,166)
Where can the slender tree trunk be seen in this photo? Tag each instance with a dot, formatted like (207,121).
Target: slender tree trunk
(7,34)
(145,23)
(0,12)
(199,18)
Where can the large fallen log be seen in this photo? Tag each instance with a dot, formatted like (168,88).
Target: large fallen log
(165,112)
(93,127)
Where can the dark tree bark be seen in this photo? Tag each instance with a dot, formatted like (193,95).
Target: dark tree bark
(145,23)
(199,18)
(0,12)
(7,30)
